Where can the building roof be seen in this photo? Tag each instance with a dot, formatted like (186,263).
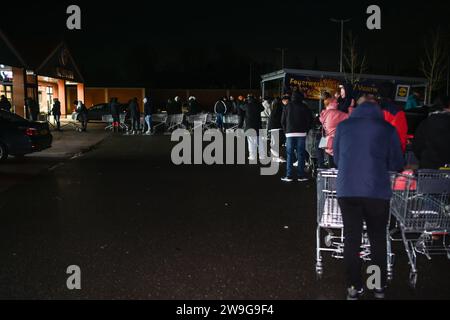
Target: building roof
(39,55)
(282,73)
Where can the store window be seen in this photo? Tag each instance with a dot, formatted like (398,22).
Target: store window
(7,92)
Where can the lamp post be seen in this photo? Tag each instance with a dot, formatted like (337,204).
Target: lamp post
(341,21)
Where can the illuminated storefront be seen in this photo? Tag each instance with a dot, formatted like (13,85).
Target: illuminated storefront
(57,76)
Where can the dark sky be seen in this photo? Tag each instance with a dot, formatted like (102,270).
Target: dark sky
(220,43)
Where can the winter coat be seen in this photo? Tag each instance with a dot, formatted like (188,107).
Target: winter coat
(411,103)
(330,119)
(252,115)
(297,117)
(275,116)
(431,143)
(149,108)
(397,118)
(194,107)
(366,150)
(56,110)
(133,108)
(346,105)
(221,107)
(5,105)
(115,112)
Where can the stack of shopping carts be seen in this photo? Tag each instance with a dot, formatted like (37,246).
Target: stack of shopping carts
(421,207)
(420,210)
(330,226)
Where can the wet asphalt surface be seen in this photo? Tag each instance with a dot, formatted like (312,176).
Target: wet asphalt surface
(142,228)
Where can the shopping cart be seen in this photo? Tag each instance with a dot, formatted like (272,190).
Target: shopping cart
(421,206)
(231,122)
(73,122)
(159,120)
(197,121)
(108,119)
(329,219)
(174,121)
(211,121)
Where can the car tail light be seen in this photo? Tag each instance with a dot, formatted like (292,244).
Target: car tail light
(31,132)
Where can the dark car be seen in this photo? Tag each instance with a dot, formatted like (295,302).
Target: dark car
(96,112)
(19,136)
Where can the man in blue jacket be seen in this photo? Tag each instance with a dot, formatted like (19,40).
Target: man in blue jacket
(366,149)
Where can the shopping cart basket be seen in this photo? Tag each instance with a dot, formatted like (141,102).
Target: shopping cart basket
(421,206)
(329,219)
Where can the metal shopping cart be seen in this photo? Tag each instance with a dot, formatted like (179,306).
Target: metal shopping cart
(159,120)
(73,122)
(211,121)
(174,121)
(421,206)
(109,120)
(231,122)
(329,219)
(196,121)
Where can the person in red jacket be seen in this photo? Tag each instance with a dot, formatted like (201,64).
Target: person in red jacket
(393,113)
(330,119)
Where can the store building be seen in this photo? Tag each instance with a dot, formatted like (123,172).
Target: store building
(26,74)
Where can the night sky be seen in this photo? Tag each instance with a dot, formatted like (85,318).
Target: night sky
(215,44)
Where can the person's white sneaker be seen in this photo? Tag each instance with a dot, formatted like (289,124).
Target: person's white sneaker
(287,179)
(302,179)
(251,158)
(296,164)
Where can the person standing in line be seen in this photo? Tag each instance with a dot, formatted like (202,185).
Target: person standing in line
(346,101)
(330,119)
(297,121)
(241,111)
(233,105)
(115,113)
(253,121)
(220,109)
(56,112)
(413,101)
(33,109)
(82,115)
(276,129)
(170,107)
(148,114)
(432,139)
(393,114)
(366,150)
(135,116)
(5,104)
(177,106)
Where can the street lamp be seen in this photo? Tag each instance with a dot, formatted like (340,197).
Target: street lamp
(341,21)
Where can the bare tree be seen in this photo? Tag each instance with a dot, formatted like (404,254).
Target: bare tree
(355,64)
(434,63)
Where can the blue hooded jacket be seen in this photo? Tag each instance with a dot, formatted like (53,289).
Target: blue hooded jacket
(366,149)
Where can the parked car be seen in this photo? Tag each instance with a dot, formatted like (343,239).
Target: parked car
(19,136)
(96,112)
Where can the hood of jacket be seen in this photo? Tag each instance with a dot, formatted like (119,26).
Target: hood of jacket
(368,110)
